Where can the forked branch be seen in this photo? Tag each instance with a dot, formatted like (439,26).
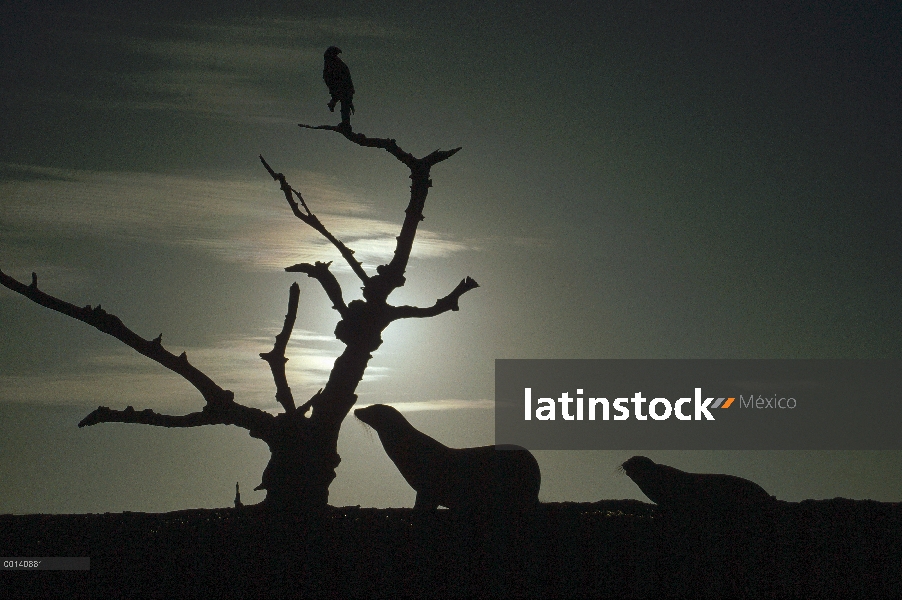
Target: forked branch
(307,216)
(441,305)
(111,325)
(389,145)
(391,276)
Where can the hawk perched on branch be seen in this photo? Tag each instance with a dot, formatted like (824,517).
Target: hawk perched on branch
(338,77)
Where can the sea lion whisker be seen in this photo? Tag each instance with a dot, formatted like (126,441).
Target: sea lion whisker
(366,428)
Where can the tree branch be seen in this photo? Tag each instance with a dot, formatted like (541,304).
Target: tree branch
(441,305)
(389,145)
(258,422)
(276,357)
(111,325)
(391,276)
(320,271)
(307,216)
(437,156)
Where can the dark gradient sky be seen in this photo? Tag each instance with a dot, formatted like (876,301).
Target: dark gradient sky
(637,180)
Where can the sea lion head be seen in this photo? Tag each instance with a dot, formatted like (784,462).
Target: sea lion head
(651,478)
(638,466)
(380,416)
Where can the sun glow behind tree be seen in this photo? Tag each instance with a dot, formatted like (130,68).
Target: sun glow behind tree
(636,183)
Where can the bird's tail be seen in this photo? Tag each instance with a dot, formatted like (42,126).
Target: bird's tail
(351,107)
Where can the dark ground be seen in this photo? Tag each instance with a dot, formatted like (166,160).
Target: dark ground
(609,549)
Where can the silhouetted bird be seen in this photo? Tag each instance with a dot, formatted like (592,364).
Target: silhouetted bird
(338,77)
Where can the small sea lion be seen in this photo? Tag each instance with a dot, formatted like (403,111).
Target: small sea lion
(498,478)
(673,489)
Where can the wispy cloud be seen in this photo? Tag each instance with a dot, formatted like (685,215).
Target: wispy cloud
(121,377)
(235,220)
(142,390)
(447,404)
(290,32)
(236,70)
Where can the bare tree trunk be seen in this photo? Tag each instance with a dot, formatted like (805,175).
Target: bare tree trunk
(305,449)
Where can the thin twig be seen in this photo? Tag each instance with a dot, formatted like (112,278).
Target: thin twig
(310,219)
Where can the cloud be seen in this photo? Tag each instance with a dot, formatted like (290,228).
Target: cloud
(236,70)
(212,93)
(291,31)
(121,377)
(447,404)
(235,220)
(240,69)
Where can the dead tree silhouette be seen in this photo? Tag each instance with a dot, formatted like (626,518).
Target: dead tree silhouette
(303,446)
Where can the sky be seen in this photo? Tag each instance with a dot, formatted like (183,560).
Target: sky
(637,180)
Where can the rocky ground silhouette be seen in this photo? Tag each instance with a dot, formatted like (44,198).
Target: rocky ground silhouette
(609,549)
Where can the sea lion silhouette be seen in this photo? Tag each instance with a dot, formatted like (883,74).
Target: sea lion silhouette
(671,488)
(498,478)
